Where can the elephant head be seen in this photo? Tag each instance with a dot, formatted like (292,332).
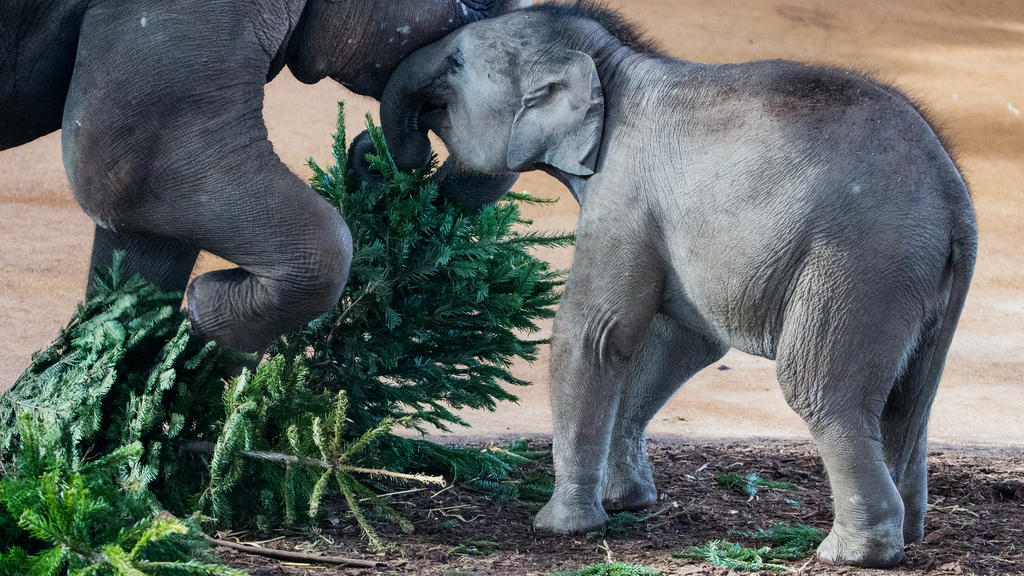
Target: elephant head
(359,43)
(505,95)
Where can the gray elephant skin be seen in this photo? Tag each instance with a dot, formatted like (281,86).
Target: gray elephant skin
(164,142)
(803,214)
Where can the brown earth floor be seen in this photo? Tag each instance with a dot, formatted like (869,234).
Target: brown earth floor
(974,523)
(964,59)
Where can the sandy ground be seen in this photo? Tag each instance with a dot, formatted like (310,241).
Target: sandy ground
(964,59)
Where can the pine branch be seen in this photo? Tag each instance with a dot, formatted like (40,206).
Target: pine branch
(344,314)
(199,447)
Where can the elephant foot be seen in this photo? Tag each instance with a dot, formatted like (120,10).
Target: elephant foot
(913,528)
(876,548)
(628,490)
(567,515)
(913,534)
(915,504)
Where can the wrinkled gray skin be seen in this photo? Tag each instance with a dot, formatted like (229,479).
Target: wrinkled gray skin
(165,146)
(800,214)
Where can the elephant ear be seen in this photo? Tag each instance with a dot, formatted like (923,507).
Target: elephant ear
(561,120)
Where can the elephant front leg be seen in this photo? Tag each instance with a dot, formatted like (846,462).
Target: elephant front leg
(670,354)
(164,262)
(604,314)
(164,141)
(584,397)
(291,248)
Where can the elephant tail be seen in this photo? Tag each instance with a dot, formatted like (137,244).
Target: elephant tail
(960,268)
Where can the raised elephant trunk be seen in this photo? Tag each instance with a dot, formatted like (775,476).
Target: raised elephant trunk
(414,102)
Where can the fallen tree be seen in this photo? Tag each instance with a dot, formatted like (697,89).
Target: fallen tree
(128,413)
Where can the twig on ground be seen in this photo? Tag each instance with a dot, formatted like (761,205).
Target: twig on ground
(607,551)
(297,556)
(446,488)
(259,542)
(390,494)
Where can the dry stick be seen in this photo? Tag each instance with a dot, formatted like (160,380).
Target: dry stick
(341,318)
(284,554)
(209,447)
(33,406)
(297,556)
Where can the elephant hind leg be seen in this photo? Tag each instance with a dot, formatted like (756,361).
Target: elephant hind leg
(841,403)
(837,361)
(669,355)
(165,262)
(904,426)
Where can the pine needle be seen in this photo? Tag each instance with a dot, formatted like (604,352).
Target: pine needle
(748,484)
(786,543)
(613,569)
(732,556)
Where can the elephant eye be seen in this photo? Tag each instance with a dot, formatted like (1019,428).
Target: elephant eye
(538,96)
(453,62)
(480,5)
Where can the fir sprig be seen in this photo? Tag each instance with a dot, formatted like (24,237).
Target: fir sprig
(80,522)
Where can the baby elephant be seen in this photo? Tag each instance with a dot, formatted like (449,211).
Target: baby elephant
(807,215)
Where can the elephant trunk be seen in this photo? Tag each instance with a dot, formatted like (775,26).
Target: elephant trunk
(412,88)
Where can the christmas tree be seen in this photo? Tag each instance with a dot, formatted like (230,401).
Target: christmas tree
(127,410)
(438,299)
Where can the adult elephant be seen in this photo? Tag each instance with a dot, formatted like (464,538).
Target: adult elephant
(164,142)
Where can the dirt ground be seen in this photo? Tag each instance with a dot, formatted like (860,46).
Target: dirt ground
(964,59)
(974,524)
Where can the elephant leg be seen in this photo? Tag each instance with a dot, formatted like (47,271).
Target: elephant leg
(292,250)
(670,354)
(612,294)
(165,262)
(291,247)
(906,449)
(163,135)
(837,361)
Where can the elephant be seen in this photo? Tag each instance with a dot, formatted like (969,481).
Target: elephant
(164,143)
(808,215)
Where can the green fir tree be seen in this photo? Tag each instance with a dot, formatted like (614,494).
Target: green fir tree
(62,516)
(127,414)
(439,302)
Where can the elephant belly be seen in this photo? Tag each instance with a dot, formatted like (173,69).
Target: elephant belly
(737,294)
(23,119)
(37,56)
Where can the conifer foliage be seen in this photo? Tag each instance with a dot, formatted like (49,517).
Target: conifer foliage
(437,299)
(127,414)
(66,517)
